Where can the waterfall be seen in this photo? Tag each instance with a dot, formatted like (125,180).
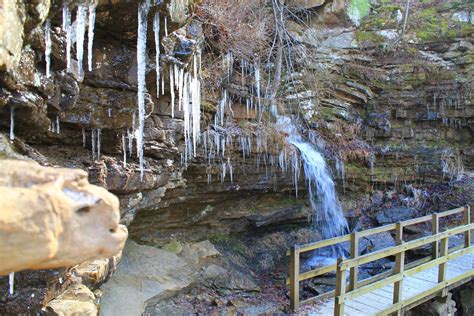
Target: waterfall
(90,33)
(327,212)
(141,72)
(80,32)
(47,51)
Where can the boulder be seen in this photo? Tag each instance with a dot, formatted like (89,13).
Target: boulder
(305,4)
(76,300)
(145,274)
(396,214)
(51,217)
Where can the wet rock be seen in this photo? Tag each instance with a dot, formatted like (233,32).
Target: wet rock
(441,306)
(394,215)
(466,300)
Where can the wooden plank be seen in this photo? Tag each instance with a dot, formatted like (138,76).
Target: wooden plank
(324,243)
(314,273)
(294,279)
(354,271)
(467,220)
(373,286)
(432,290)
(417,220)
(451,212)
(442,266)
(435,231)
(404,247)
(376,230)
(376,302)
(361,307)
(399,265)
(340,289)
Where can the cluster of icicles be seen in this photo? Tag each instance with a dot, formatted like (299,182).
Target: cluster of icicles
(75,33)
(185,82)
(217,143)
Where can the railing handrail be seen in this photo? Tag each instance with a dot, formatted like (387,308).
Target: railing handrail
(387,252)
(372,231)
(396,274)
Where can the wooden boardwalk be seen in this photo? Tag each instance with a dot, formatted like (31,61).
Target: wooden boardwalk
(376,302)
(406,285)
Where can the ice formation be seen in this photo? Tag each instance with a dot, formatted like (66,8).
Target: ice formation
(90,34)
(47,42)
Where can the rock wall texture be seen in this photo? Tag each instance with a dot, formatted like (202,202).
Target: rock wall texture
(389,96)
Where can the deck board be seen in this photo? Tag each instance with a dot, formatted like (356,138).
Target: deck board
(376,301)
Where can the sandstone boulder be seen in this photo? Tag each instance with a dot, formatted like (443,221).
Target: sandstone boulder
(52,217)
(76,300)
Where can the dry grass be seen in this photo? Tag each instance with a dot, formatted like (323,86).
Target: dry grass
(243,27)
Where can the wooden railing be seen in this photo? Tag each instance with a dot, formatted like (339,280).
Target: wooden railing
(357,288)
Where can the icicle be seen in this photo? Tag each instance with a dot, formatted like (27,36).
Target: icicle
(223,170)
(257,85)
(130,143)
(83,137)
(229,165)
(11,282)
(12,124)
(68,29)
(156,30)
(99,141)
(141,72)
(90,33)
(180,89)
(196,104)
(124,150)
(47,42)
(66,16)
(162,85)
(166,26)
(109,112)
(134,121)
(57,124)
(80,32)
(93,144)
(172,91)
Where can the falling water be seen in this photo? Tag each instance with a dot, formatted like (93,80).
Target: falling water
(141,72)
(80,32)
(47,42)
(328,215)
(90,33)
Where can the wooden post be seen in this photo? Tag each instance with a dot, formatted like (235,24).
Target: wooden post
(442,266)
(354,254)
(434,231)
(399,264)
(467,220)
(340,289)
(294,278)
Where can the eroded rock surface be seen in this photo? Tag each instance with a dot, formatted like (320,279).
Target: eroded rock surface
(53,217)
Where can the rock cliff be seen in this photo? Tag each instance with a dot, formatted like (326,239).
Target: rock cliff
(383,89)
